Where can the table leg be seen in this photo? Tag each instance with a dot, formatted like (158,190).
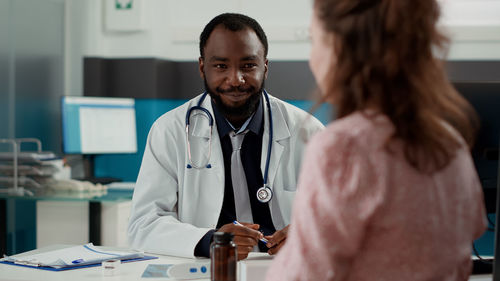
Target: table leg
(95,222)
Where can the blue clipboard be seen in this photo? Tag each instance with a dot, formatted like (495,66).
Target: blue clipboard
(76,266)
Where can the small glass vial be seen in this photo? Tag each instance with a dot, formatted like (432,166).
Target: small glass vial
(223,257)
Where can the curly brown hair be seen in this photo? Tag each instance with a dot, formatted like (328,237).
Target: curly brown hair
(385,59)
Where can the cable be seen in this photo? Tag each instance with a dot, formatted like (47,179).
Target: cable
(486,261)
(492,227)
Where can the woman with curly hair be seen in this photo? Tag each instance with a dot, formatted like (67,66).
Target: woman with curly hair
(388,191)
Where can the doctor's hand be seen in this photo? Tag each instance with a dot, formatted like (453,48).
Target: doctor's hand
(277,240)
(245,237)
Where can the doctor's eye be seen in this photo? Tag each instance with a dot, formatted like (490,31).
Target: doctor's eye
(220,66)
(249,65)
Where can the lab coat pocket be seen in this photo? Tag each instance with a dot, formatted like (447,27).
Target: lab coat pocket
(287,182)
(286,199)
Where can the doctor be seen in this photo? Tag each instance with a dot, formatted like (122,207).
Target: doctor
(192,182)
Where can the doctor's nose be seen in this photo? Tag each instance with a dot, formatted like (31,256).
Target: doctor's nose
(235,78)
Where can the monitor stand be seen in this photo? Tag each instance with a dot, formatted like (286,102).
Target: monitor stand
(89,168)
(496,260)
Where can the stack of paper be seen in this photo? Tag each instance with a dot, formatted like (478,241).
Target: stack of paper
(73,256)
(32,169)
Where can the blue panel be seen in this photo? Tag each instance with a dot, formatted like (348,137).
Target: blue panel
(21,226)
(323,113)
(71,127)
(485,243)
(126,166)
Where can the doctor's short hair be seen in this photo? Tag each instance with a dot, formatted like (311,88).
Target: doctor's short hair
(233,22)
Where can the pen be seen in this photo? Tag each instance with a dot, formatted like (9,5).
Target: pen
(264,240)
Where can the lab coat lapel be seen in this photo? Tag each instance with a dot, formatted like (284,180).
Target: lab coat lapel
(280,132)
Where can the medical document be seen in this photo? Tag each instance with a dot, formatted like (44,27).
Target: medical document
(73,256)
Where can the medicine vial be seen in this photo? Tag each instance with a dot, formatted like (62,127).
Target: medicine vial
(223,257)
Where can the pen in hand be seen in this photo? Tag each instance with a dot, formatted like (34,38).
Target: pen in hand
(264,240)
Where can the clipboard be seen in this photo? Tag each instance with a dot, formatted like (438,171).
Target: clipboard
(48,268)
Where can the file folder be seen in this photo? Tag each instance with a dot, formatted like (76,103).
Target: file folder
(73,257)
(48,268)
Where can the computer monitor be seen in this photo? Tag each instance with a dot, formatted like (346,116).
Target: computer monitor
(98,125)
(485,98)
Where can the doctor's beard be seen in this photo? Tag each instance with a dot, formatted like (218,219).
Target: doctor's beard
(243,111)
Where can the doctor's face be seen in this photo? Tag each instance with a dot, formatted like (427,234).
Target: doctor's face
(234,69)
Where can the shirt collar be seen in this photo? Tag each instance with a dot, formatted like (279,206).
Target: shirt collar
(253,123)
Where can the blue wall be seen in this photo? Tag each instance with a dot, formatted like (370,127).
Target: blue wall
(485,243)
(22,234)
(126,166)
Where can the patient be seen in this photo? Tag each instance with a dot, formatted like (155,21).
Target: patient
(388,191)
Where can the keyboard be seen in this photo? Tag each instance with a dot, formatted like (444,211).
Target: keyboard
(484,266)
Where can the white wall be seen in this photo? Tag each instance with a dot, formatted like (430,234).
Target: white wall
(171,28)
(474,27)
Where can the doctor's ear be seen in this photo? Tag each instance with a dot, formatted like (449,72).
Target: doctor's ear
(201,64)
(266,63)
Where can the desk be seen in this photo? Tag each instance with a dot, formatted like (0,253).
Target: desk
(94,199)
(128,272)
(482,277)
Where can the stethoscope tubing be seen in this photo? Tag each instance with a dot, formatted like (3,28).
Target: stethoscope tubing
(210,123)
(270,143)
(266,186)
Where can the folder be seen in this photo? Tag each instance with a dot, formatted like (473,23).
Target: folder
(73,257)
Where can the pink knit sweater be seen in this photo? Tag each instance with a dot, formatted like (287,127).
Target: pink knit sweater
(362,213)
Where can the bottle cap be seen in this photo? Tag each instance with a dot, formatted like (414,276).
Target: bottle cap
(223,237)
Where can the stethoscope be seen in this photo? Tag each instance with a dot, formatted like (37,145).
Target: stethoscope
(265,193)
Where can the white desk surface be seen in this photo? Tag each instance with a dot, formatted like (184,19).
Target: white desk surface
(128,271)
(482,277)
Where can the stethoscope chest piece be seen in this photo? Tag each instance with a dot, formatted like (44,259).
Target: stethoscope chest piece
(264,194)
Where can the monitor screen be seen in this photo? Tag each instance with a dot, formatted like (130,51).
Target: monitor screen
(485,98)
(98,125)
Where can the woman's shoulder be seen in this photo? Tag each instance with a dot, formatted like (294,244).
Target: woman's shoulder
(360,129)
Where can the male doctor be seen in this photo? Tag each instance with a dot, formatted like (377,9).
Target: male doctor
(187,190)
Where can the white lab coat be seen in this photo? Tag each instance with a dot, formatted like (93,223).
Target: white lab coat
(174,207)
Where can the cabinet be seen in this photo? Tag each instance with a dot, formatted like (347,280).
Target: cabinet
(68,218)
(60,222)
